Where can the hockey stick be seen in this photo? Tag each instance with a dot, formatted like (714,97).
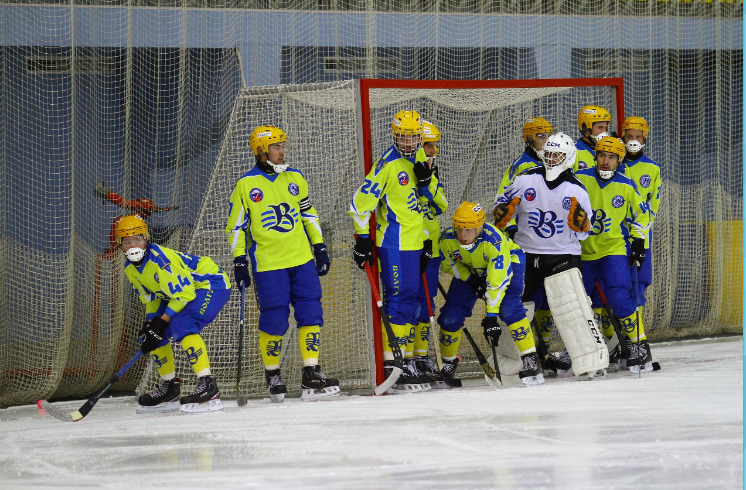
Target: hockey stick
(241,398)
(492,375)
(433,327)
(87,406)
(637,316)
(615,322)
(398,358)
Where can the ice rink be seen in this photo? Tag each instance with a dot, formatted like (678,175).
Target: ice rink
(678,428)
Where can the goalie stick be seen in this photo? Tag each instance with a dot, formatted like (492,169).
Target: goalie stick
(87,406)
(241,398)
(491,374)
(398,358)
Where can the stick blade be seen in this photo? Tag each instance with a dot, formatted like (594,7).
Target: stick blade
(56,412)
(389,382)
(494,382)
(242,400)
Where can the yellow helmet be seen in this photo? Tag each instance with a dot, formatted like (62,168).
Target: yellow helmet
(612,145)
(130,226)
(590,114)
(534,126)
(468,215)
(407,123)
(636,122)
(430,134)
(263,136)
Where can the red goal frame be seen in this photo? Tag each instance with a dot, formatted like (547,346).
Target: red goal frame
(365,150)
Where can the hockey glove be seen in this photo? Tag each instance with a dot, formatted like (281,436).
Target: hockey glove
(241,272)
(102,190)
(363,251)
(478,284)
(322,259)
(492,329)
(577,218)
(427,255)
(152,333)
(637,256)
(503,212)
(511,231)
(423,173)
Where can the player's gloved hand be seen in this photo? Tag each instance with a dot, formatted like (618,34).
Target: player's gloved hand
(492,329)
(363,251)
(511,231)
(504,211)
(478,284)
(637,256)
(423,173)
(427,255)
(152,333)
(577,218)
(322,259)
(435,168)
(241,272)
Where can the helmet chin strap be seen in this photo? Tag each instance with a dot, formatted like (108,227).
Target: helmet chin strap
(605,174)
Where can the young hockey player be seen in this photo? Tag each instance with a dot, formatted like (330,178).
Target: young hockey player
(270,209)
(392,189)
(545,202)
(647,176)
(619,212)
(182,295)
(432,206)
(593,122)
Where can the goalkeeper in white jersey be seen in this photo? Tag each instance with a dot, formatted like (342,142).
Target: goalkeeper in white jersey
(182,294)
(271,219)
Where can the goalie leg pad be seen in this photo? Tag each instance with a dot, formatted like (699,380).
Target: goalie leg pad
(574,320)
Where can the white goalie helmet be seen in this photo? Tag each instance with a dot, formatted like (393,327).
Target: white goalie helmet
(558,155)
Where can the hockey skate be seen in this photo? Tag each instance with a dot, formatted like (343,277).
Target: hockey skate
(316,385)
(564,365)
(409,381)
(206,397)
(164,399)
(428,367)
(449,371)
(275,387)
(622,361)
(614,355)
(640,358)
(531,373)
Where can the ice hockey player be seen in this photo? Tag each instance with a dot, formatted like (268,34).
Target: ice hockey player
(484,264)
(535,133)
(619,211)
(182,294)
(392,189)
(432,206)
(549,204)
(593,122)
(272,219)
(647,176)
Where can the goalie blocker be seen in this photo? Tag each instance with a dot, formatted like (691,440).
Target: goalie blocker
(574,319)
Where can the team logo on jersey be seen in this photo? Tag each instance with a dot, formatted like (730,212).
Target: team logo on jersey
(155,277)
(645,181)
(293,189)
(599,222)
(280,217)
(256,195)
(274,347)
(617,202)
(545,223)
(581,164)
(403,178)
(566,203)
(413,202)
(530,194)
(519,333)
(484,256)
(457,255)
(193,355)
(313,341)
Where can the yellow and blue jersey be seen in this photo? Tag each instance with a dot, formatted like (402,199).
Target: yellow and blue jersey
(172,276)
(586,156)
(647,176)
(491,258)
(433,205)
(618,213)
(390,189)
(271,218)
(528,160)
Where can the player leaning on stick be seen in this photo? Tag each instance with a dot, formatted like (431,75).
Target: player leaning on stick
(647,176)
(485,264)
(270,211)
(593,123)
(432,206)
(392,189)
(182,294)
(619,213)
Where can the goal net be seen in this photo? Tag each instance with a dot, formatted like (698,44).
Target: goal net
(335,133)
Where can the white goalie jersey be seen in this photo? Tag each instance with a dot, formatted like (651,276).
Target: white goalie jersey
(542,214)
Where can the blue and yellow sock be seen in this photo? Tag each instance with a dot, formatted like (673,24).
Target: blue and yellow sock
(196,352)
(402,336)
(309,339)
(523,336)
(270,347)
(164,361)
(449,342)
(421,339)
(545,322)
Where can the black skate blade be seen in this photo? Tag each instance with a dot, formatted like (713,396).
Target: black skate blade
(452,382)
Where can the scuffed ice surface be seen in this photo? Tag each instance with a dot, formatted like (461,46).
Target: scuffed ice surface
(679,428)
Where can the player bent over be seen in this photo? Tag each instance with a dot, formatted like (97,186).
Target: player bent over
(593,123)
(484,264)
(617,206)
(432,206)
(182,294)
(270,209)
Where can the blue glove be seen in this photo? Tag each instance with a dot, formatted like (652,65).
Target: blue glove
(241,272)
(322,259)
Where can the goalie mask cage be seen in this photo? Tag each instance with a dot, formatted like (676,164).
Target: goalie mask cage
(336,131)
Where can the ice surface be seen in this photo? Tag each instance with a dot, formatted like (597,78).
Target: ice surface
(678,428)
